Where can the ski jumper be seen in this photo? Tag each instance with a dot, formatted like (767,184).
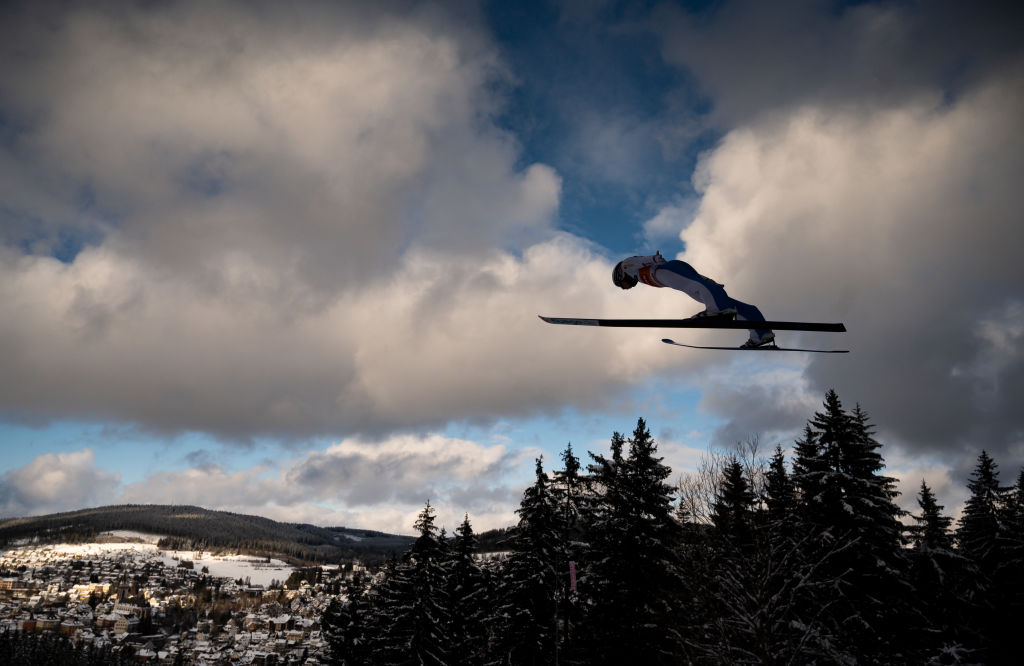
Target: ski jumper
(681,276)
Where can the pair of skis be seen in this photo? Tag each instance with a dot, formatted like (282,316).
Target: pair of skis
(717,323)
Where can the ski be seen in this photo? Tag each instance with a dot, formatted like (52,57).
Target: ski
(769,347)
(708,322)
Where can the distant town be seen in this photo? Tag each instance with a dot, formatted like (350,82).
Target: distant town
(155,606)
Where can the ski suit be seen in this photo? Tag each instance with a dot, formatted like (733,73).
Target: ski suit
(681,276)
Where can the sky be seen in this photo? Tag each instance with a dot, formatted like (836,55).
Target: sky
(287,259)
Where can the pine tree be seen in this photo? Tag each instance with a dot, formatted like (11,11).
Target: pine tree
(932,529)
(633,581)
(525,623)
(1010,574)
(809,472)
(1013,518)
(468,592)
(733,511)
(411,619)
(871,494)
(1000,559)
(391,589)
(780,494)
(344,624)
(851,524)
(605,515)
(980,530)
(942,578)
(980,538)
(569,490)
(655,530)
(430,641)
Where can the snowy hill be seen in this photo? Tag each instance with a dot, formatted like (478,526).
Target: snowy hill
(196,528)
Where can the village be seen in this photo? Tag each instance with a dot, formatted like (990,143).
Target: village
(164,607)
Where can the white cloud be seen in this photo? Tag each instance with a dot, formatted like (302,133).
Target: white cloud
(669,222)
(373,485)
(910,470)
(55,482)
(683,459)
(405,468)
(446,337)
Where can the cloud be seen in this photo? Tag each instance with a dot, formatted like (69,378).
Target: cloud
(900,221)
(104,338)
(950,492)
(55,482)
(406,468)
(247,221)
(753,58)
(669,221)
(306,223)
(770,404)
(375,485)
(321,143)
(371,485)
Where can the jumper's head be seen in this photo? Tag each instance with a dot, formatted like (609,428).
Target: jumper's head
(621,279)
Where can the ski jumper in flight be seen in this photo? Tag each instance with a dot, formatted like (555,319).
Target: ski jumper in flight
(656,272)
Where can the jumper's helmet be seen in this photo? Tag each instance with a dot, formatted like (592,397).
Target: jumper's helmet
(621,279)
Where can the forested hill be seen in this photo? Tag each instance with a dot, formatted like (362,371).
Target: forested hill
(193,527)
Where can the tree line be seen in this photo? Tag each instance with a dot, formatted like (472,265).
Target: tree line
(746,561)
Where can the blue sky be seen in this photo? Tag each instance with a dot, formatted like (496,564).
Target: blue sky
(288,260)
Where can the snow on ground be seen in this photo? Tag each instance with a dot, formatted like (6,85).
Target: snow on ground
(79,550)
(259,571)
(130,534)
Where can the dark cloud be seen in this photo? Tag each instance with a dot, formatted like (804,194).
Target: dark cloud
(765,408)
(752,57)
(201,459)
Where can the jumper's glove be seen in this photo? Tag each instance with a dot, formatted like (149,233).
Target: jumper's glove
(646,260)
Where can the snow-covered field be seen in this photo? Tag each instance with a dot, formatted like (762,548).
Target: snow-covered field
(71,551)
(258,571)
(129,534)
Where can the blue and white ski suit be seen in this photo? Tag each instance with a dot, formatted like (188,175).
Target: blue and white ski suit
(679,275)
